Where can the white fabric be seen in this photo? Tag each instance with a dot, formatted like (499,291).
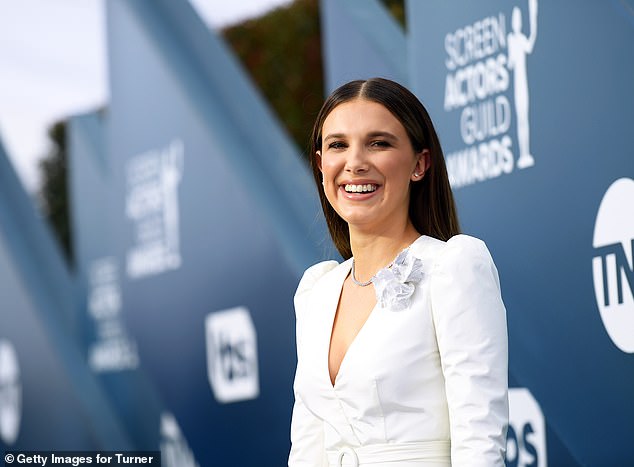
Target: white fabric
(425,453)
(436,371)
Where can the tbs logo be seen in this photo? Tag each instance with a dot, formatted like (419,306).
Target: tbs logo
(232,357)
(526,436)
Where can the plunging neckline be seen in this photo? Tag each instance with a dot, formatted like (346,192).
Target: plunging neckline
(333,316)
(333,384)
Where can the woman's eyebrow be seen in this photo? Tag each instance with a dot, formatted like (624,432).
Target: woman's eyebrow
(372,134)
(382,134)
(334,136)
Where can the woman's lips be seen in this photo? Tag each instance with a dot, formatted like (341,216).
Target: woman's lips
(359,190)
(360,187)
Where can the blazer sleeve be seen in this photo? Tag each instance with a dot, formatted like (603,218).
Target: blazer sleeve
(470,323)
(307,430)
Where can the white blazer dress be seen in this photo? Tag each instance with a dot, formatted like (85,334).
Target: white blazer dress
(421,386)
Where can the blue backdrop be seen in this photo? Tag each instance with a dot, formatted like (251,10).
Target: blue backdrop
(194,217)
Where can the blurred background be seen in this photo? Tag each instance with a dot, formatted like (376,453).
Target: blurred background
(157,211)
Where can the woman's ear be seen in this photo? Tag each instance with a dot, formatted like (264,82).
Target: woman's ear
(318,156)
(423,162)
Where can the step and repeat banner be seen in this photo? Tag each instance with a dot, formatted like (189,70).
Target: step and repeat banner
(194,217)
(49,399)
(191,238)
(534,105)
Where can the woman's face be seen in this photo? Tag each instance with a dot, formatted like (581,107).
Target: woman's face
(367,162)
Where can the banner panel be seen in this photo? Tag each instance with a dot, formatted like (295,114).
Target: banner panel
(534,106)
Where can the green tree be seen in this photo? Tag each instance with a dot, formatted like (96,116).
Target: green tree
(397,8)
(54,189)
(282,53)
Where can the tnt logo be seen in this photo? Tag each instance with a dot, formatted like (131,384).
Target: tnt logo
(232,359)
(526,437)
(613,266)
(10,393)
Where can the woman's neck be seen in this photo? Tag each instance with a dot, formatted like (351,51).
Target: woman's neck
(373,251)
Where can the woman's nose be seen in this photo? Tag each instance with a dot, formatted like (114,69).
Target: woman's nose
(357,161)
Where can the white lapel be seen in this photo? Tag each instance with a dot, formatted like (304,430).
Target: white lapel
(326,299)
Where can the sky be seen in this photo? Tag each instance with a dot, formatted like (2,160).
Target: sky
(53,65)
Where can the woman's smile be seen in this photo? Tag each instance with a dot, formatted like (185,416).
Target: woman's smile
(367,162)
(359,190)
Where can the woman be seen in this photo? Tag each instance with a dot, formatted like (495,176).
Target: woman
(402,348)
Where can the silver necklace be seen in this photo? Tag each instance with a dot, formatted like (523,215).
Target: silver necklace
(365,284)
(354,279)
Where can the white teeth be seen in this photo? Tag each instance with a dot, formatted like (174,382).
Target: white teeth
(360,188)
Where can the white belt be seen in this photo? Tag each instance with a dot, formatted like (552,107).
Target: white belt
(349,456)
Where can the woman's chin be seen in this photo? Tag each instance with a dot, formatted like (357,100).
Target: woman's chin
(364,220)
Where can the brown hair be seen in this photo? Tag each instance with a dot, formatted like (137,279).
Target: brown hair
(431,206)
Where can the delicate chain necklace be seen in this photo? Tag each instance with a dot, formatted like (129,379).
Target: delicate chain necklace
(365,284)
(354,279)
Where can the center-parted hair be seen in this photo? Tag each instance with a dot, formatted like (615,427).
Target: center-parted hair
(431,206)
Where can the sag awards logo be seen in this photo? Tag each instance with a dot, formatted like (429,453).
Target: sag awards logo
(482,61)
(232,357)
(613,263)
(526,436)
(152,205)
(10,394)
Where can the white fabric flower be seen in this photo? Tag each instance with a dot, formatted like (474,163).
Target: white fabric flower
(395,284)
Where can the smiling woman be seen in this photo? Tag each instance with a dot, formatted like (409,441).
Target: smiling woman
(431,206)
(402,350)
(367,163)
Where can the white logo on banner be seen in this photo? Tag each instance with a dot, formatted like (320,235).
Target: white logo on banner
(526,437)
(152,204)
(613,263)
(10,393)
(477,82)
(175,451)
(113,349)
(232,357)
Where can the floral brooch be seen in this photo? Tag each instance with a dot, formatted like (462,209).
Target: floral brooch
(395,284)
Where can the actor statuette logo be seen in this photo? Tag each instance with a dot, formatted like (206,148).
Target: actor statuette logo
(613,263)
(483,60)
(10,393)
(232,357)
(152,204)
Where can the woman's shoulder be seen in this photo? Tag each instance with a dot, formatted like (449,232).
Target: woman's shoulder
(459,249)
(312,279)
(314,274)
(462,245)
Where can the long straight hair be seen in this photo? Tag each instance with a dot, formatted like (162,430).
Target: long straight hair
(432,209)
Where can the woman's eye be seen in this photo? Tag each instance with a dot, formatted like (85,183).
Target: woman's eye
(336,145)
(380,144)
